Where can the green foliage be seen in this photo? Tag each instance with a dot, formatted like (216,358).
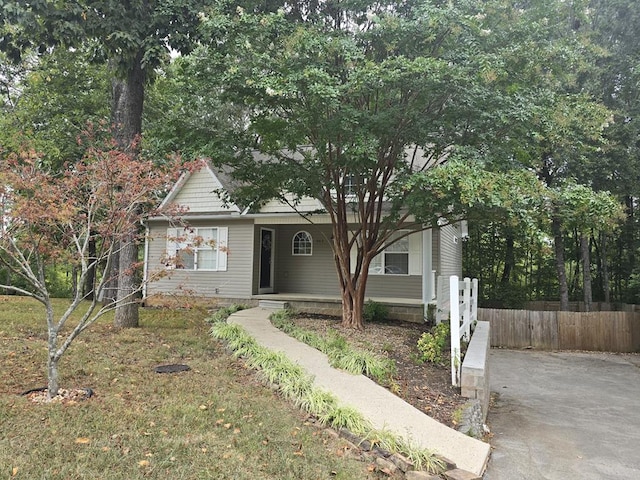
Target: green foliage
(340,353)
(509,295)
(432,344)
(59,95)
(343,417)
(375,312)
(223,313)
(58,281)
(297,386)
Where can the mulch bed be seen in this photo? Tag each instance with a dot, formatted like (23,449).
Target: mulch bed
(424,385)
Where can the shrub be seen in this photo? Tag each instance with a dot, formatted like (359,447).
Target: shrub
(432,344)
(223,313)
(375,312)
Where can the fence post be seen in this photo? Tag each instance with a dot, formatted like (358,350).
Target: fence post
(454,326)
(474,300)
(466,305)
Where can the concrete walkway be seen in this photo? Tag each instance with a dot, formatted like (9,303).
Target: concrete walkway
(564,416)
(382,408)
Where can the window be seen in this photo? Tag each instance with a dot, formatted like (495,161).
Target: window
(302,243)
(202,248)
(394,260)
(351,183)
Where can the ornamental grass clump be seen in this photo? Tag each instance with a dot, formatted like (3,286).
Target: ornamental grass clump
(296,385)
(223,313)
(341,355)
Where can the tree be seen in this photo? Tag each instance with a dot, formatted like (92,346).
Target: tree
(54,217)
(59,92)
(355,104)
(133,37)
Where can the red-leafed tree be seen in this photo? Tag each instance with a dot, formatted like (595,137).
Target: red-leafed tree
(52,217)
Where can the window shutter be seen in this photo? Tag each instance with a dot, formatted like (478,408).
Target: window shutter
(172,234)
(415,254)
(222,247)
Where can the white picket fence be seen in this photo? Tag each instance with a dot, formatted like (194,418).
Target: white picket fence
(463,304)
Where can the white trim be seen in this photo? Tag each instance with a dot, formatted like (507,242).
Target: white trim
(410,258)
(220,248)
(293,244)
(145,266)
(428,288)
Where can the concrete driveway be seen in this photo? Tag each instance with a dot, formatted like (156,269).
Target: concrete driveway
(564,416)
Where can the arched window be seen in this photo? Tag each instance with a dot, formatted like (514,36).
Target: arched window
(302,243)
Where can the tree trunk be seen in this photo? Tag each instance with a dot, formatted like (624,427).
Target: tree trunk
(110,289)
(606,288)
(53,384)
(556,227)
(88,289)
(52,359)
(127,314)
(128,100)
(586,271)
(352,285)
(509,260)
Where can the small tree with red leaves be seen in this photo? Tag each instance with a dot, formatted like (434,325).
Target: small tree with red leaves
(52,217)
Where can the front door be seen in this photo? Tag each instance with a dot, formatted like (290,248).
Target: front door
(266,260)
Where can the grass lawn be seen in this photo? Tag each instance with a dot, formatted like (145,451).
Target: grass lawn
(212,422)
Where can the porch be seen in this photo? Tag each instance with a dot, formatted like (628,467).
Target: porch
(407,309)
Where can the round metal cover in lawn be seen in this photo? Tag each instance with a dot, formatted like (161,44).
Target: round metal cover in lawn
(173,368)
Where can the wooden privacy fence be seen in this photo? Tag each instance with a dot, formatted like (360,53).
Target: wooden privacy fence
(596,331)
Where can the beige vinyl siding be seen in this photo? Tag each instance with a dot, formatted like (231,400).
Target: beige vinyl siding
(307,204)
(316,274)
(449,251)
(313,274)
(395,286)
(235,282)
(198,193)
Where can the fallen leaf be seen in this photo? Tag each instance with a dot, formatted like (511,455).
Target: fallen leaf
(14,472)
(83,440)
(144,463)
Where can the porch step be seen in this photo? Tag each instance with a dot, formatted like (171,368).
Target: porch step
(273,304)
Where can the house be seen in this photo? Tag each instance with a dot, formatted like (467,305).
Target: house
(274,254)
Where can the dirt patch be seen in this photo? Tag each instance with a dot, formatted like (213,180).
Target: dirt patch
(424,385)
(64,396)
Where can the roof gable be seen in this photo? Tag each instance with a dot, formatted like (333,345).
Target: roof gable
(199,192)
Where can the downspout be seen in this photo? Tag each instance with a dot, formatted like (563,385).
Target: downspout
(145,265)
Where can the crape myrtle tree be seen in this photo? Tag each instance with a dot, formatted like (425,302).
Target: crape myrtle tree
(53,216)
(357,104)
(132,38)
